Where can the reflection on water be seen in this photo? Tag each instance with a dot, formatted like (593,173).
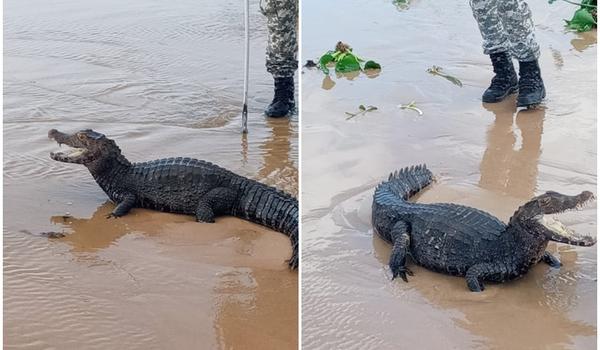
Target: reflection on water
(254,306)
(537,304)
(510,161)
(585,40)
(328,83)
(244,147)
(245,308)
(277,148)
(95,233)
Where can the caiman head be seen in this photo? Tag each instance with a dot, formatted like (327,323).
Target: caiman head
(87,147)
(535,217)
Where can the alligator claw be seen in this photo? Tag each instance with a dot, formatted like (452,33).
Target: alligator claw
(402,272)
(475,285)
(293,262)
(111,216)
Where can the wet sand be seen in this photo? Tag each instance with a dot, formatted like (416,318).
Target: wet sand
(162,80)
(492,157)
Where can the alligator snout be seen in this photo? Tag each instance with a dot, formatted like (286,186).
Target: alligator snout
(57,136)
(52,133)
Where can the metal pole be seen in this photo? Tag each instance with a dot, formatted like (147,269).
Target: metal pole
(246,65)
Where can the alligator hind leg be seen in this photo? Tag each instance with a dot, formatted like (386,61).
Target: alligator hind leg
(476,274)
(215,202)
(123,207)
(551,260)
(401,246)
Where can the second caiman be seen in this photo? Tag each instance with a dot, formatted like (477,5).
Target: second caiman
(464,241)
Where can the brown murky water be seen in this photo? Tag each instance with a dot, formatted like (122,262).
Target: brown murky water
(163,79)
(488,156)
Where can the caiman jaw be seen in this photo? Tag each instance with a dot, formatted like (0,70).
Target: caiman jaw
(73,155)
(558,232)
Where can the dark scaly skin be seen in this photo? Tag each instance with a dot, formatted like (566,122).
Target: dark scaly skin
(180,185)
(463,241)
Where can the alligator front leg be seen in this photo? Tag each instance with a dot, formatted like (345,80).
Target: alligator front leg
(551,260)
(476,274)
(215,202)
(123,207)
(399,250)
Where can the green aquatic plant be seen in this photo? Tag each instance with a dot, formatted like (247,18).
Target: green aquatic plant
(345,60)
(401,4)
(361,111)
(585,17)
(435,70)
(412,106)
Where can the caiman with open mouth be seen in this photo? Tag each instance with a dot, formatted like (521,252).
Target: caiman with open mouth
(179,185)
(463,241)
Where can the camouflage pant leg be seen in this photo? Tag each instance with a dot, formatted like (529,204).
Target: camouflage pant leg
(282,46)
(516,17)
(506,25)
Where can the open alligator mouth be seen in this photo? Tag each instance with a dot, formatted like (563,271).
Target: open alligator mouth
(70,155)
(75,153)
(559,232)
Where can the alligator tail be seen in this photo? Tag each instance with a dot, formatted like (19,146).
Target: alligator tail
(275,209)
(405,183)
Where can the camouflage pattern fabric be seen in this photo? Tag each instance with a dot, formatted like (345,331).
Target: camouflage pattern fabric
(506,25)
(282,47)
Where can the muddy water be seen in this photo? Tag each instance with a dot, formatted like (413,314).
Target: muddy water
(163,80)
(492,157)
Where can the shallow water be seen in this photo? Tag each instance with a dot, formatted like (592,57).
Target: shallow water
(492,157)
(162,80)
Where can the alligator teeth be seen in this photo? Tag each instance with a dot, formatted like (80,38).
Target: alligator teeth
(555,225)
(71,152)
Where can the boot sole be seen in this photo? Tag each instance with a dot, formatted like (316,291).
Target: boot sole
(277,116)
(286,114)
(531,103)
(511,91)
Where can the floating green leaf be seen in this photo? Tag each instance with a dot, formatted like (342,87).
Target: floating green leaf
(585,18)
(401,4)
(345,60)
(582,21)
(326,58)
(347,63)
(372,65)
(324,61)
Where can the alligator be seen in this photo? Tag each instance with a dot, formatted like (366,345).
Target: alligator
(179,185)
(464,241)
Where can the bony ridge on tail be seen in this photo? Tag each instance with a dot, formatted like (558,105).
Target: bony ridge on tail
(179,185)
(464,241)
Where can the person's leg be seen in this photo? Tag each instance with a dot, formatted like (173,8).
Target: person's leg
(517,21)
(519,29)
(495,44)
(282,48)
(495,39)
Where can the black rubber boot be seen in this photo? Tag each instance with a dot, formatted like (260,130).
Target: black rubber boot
(505,82)
(283,102)
(531,86)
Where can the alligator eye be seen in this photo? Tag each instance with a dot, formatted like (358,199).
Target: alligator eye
(81,136)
